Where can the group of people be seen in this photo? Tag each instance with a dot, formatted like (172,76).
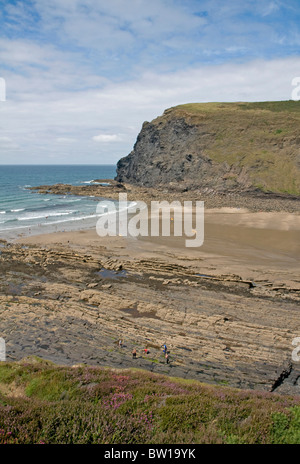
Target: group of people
(134,352)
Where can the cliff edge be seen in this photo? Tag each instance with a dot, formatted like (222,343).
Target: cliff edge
(219,147)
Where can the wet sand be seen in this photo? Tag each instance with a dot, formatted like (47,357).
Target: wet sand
(244,243)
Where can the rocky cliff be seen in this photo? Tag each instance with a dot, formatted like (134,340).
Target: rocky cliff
(219,147)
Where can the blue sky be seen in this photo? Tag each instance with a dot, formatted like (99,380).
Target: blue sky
(82,75)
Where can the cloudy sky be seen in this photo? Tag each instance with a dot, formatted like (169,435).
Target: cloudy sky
(83,75)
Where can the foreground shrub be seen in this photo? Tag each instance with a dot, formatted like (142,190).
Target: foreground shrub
(92,405)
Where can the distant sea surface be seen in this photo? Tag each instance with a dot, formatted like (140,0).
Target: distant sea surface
(25,212)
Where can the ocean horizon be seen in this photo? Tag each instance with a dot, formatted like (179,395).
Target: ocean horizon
(24,212)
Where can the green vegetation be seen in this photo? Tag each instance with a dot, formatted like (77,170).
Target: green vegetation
(274,106)
(44,403)
(261,138)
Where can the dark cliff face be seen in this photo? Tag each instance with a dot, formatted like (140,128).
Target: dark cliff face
(171,152)
(163,153)
(203,151)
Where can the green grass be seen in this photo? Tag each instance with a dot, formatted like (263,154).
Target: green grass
(274,106)
(286,427)
(44,403)
(262,138)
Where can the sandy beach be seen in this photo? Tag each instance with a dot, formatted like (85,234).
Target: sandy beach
(249,244)
(228,311)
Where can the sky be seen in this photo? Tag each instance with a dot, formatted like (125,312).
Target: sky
(80,77)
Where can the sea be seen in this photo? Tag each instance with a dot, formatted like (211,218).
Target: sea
(25,212)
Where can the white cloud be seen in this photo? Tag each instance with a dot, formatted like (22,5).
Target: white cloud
(106,138)
(8,144)
(34,126)
(270,8)
(115,24)
(82,75)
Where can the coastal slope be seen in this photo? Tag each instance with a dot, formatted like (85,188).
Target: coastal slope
(68,297)
(219,148)
(44,403)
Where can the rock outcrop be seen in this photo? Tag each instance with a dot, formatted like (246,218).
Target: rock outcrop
(71,306)
(219,147)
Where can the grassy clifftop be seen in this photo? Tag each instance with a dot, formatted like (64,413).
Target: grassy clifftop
(263,137)
(222,146)
(44,403)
